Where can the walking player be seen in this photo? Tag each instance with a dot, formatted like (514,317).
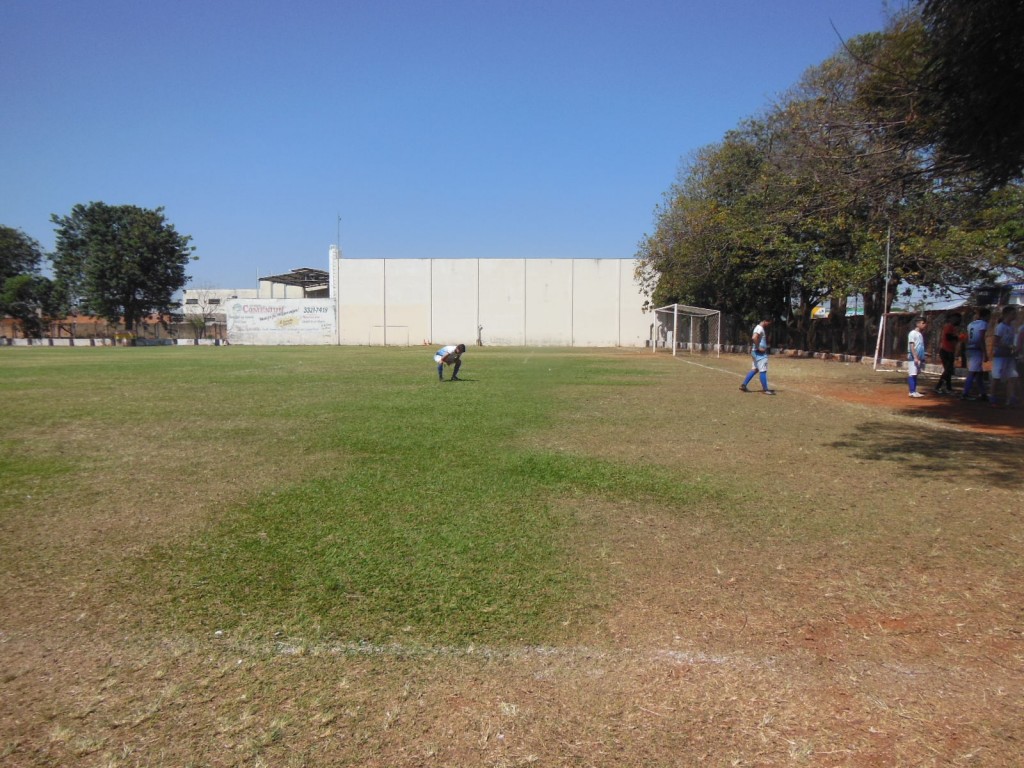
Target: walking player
(759,352)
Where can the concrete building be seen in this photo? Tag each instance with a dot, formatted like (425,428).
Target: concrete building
(408,302)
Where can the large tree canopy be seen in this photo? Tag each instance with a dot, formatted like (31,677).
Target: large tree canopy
(973,84)
(813,199)
(119,261)
(19,254)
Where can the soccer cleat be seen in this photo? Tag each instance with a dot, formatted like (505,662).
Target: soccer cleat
(916,394)
(767,391)
(454,378)
(743,388)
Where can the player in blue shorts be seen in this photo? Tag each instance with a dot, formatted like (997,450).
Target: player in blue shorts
(759,349)
(915,354)
(450,355)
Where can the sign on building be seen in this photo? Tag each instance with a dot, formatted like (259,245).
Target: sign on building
(281,321)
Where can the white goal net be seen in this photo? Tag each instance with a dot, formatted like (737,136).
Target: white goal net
(690,330)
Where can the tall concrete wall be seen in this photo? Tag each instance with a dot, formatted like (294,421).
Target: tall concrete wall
(501,302)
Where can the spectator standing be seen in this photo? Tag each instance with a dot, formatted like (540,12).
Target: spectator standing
(915,354)
(950,338)
(1004,363)
(977,354)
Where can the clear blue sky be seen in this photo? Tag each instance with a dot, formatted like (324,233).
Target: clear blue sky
(441,128)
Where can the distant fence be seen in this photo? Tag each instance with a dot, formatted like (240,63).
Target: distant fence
(109,342)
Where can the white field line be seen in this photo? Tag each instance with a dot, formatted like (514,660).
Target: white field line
(580,653)
(525,654)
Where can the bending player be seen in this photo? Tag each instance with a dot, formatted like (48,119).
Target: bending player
(450,355)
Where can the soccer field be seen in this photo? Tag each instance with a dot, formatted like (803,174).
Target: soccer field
(324,556)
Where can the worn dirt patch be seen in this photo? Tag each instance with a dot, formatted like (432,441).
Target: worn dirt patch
(888,390)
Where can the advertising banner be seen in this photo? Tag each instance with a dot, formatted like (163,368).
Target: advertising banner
(281,321)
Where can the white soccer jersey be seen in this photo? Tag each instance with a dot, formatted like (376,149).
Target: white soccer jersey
(452,350)
(915,343)
(976,334)
(762,344)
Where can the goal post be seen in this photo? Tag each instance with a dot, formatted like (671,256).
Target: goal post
(695,330)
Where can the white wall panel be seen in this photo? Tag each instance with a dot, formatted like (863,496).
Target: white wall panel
(635,325)
(360,294)
(503,302)
(595,306)
(407,291)
(549,302)
(542,302)
(454,285)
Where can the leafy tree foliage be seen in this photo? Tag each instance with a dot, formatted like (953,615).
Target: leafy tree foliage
(119,261)
(973,84)
(19,254)
(29,300)
(810,201)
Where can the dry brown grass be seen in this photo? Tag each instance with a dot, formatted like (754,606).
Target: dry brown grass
(885,629)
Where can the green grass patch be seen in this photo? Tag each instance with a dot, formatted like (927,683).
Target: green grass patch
(394,506)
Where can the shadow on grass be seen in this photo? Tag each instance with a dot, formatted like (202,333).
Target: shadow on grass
(951,409)
(941,453)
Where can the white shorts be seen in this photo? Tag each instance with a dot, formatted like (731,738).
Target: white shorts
(913,368)
(760,363)
(1004,368)
(975,360)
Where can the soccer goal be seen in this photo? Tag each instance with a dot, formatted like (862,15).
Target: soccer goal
(694,330)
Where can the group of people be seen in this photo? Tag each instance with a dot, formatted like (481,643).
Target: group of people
(1007,351)
(1007,355)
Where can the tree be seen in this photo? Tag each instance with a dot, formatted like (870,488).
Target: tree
(972,86)
(119,261)
(29,300)
(837,181)
(19,254)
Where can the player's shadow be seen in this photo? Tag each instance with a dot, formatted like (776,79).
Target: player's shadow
(997,461)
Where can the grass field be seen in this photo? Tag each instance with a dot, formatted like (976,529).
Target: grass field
(323,556)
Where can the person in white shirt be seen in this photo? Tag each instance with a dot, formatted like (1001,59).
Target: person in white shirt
(450,355)
(759,349)
(915,354)
(1004,363)
(977,354)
